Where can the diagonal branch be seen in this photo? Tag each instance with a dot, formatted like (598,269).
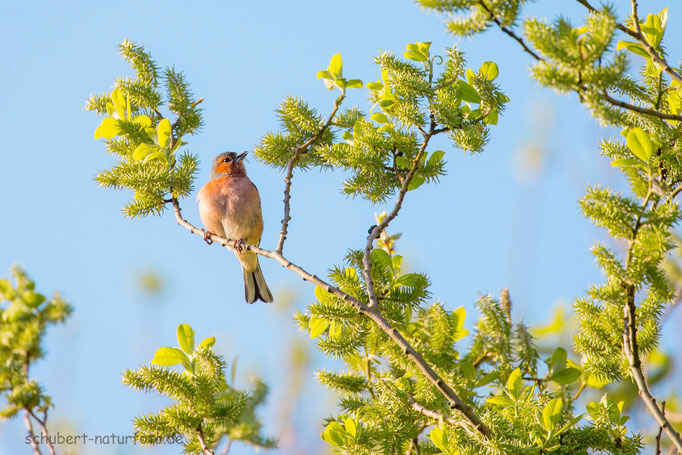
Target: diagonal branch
(202,442)
(510,32)
(631,348)
(605,96)
(433,414)
(639,36)
(455,401)
(31,433)
(377,230)
(298,151)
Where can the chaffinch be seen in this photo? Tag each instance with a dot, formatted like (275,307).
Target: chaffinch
(229,206)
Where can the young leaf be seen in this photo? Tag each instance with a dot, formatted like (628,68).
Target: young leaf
(317,326)
(336,67)
(185,336)
(489,71)
(167,357)
(207,343)
(163,132)
(108,129)
(640,144)
(552,413)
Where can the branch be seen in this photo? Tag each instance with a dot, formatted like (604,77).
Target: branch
(641,110)
(605,96)
(639,36)
(632,350)
(511,33)
(298,151)
(31,433)
(43,429)
(433,414)
(452,397)
(202,441)
(377,230)
(226,450)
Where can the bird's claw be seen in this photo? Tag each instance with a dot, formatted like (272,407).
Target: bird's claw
(239,245)
(207,237)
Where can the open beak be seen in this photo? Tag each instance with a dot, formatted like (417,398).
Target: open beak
(240,157)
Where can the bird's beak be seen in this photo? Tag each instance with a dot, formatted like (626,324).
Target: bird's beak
(240,157)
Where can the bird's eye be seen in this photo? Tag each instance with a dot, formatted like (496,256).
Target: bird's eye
(226,160)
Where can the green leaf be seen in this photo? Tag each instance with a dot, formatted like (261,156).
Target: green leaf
(491,118)
(626,162)
(566,376)
(515,383)
(500,400)
(436,157)
(185,336)
(119,103)
(439,439)
(142,150)
(207,343)
(379,117)
(424,47)
(558,359)
(336,66)
(158,155)
(416,182)
(468,370)
(415,55)
(163,132)
(640,144)
(552,413)
(354,83)
(323,75)
(350,426)
(470,75)
(167,357)
(334,434)
(374,85)
(151,132)
(108,129)
(487,379)
(489,71)
(317,326)
(143,120)
(334,330)
(467,93)
(381,259)
(635,48)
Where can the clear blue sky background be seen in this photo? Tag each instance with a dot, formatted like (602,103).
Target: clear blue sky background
(490,223)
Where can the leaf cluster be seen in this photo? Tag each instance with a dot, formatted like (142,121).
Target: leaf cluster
(145,141)
(410,104)
(25,315)
(204,405)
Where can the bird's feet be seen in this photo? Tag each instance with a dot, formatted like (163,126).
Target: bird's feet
(239,245)
(207,237)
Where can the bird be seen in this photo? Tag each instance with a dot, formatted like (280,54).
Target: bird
(229,206)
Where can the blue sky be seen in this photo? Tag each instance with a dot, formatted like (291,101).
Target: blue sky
(489,224)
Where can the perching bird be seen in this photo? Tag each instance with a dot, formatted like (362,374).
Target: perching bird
(229,206)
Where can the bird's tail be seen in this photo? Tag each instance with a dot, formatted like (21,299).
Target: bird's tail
(255,287)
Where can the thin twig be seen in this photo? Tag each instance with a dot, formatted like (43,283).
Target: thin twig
(433,414)
(226,450)
(605,96)
(31,433)
(43,429)
(660,433)
(455,401)
(377,230)
(631,348)
(639,36)
(510,32)
(202,441)
(579,391)
(298,151)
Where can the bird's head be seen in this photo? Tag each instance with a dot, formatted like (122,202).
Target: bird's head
(228,163)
